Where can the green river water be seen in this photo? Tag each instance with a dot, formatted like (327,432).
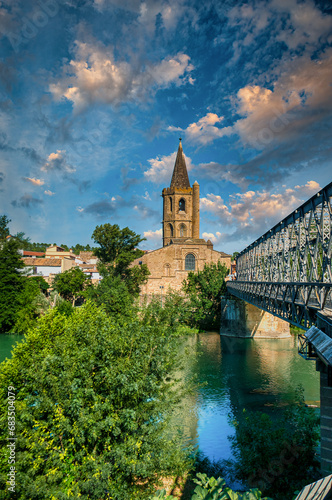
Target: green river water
(235,374)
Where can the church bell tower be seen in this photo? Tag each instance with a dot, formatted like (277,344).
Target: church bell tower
(180,205)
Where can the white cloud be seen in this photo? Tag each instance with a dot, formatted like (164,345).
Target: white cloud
(94,75)
(301,95)
(254,212)
(204,131)
(58,162)
(306,24)
(153,235)
(299,25)
(35,182)
(215,204)
(49,193)
(214,238)
(161,168)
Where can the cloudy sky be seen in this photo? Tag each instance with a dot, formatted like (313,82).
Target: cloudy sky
(94,95)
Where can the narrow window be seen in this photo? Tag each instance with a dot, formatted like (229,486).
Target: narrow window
(183,231)
(189,263)
(170,204)
(182,205)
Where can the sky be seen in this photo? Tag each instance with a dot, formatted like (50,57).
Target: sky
(94,95)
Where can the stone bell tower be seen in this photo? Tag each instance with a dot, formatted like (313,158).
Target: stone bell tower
(180,205)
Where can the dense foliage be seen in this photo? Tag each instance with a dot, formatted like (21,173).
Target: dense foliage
(117,250)
(4,229)
(278,456)
(76,249)
(92,404)
(16,291)
(116,245)
(204,290)
(71,284)
(214,489)
(112,293)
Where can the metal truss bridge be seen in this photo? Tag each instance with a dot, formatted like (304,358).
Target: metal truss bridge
(287,271)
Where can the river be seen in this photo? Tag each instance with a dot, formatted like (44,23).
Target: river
(234,374)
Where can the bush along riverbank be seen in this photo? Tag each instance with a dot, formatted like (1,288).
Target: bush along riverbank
(93,397)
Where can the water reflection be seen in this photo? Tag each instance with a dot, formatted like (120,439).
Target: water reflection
(7,342)
(235,374)
(242,373)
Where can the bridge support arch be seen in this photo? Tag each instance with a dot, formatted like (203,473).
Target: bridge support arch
(241,319)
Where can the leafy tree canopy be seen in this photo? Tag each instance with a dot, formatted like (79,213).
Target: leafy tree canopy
(117,250)
(43,285)
(4,229)
(92,406)
(117,246)
(12,283)
(71,284)
(204,290)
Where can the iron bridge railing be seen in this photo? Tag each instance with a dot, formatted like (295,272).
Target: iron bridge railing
(296,249)
(297,303)
(287,271)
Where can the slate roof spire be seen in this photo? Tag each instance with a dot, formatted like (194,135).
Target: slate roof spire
(180,177)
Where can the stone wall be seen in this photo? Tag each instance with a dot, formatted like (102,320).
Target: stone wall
(167,264)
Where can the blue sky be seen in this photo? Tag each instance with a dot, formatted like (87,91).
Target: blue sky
(94,95)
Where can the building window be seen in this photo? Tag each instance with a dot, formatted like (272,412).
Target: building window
(167,269)
(183,231)
(189,264)
(170,204)
(182,205)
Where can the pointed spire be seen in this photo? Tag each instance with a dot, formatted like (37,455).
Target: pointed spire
(180,177)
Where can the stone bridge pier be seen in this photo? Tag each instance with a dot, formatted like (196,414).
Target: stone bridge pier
(241,319)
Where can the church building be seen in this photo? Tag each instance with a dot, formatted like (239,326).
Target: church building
(183,250)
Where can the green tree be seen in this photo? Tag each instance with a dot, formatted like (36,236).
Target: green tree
(71,284)
(204,290)
(27,311)
(277,456)
(235,254)
(4,230)
(23,240)
(117,250)
(117,246)
(113,294)
(12,283)
(92,407)
(43,285)
(81,248)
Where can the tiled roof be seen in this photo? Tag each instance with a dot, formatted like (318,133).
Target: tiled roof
(223,254)
(30,261)
(180,177)
(36,254)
